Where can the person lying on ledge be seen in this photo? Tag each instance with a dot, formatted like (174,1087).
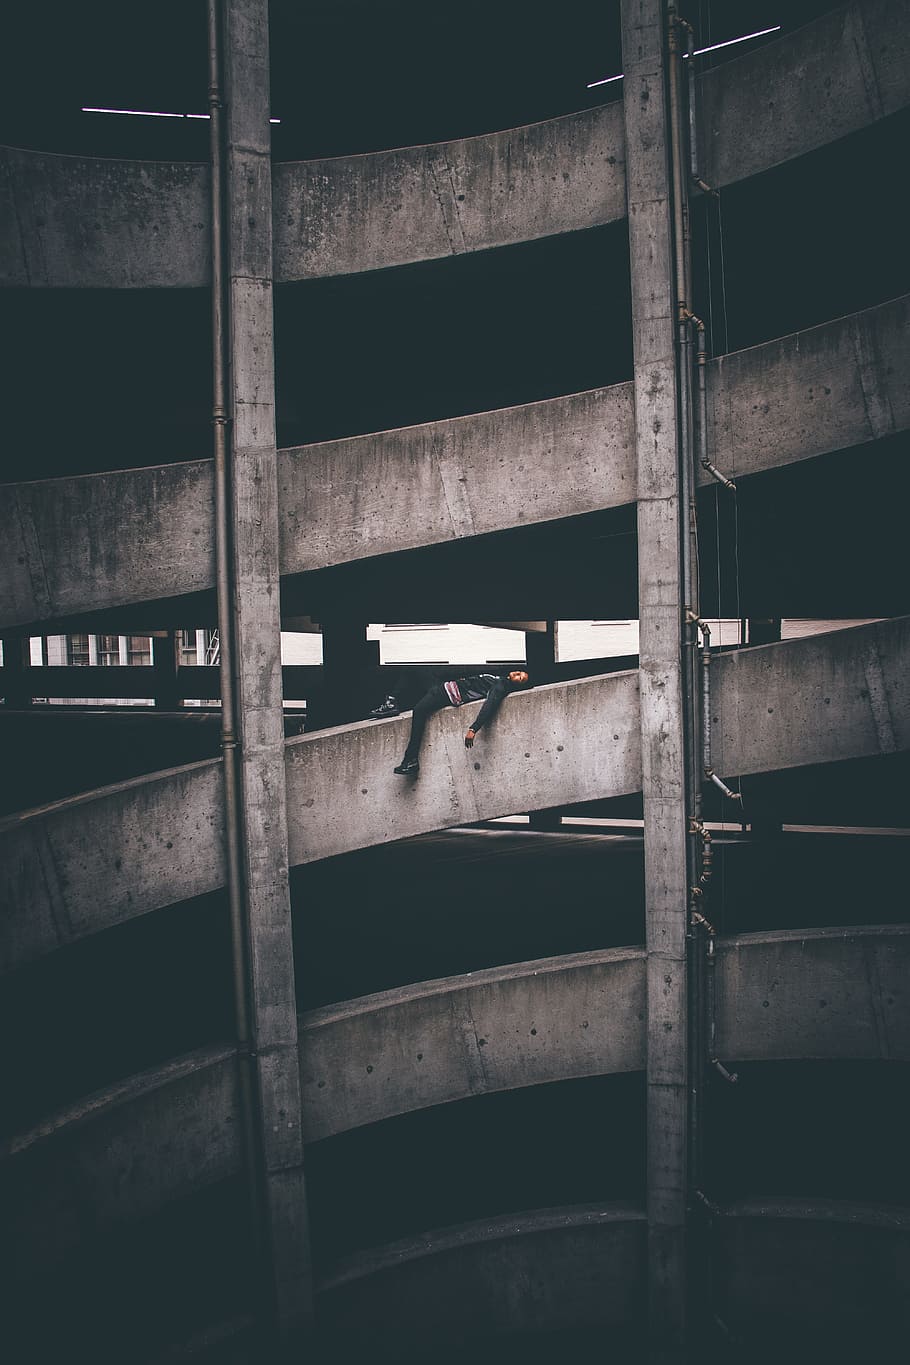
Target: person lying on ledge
(489,687)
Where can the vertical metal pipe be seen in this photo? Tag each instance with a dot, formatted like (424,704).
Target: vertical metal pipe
(225,596)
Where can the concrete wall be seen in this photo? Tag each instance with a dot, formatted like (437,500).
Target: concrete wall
(814,993)
(131,1148)
(94,541)
(514,1026)
(809,88)
(81,223)
(109,856)
(73,222)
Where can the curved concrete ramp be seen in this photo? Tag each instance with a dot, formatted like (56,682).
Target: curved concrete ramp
(826,80)
(814,994)
(76,545)
(538,1270)
(827,1264)
(559,1018)
(424,1046)
(81,223)
(104,858)
(85,223)
(122,1153)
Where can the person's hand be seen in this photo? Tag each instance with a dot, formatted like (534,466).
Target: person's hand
(469,740)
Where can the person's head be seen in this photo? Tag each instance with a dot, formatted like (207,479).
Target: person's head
(518,677)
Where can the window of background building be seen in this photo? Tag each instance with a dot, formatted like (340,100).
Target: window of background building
(77,649)
(108,650)
(140,649)
(186,645)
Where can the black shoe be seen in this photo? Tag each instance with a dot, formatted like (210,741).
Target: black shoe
(389,707)
(407,768)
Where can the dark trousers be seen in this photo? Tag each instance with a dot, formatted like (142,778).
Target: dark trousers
(433,700)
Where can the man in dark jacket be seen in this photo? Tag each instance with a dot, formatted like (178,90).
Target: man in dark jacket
(490,687)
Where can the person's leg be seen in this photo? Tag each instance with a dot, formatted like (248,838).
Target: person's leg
(431,701)
(408,685)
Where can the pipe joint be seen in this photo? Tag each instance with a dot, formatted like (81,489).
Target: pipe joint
(699,921)
(711,775)
(705,187)
(732,1077)
(716,474)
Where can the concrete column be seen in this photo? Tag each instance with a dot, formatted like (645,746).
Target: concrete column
(254,524)
(657,436)
(540,654)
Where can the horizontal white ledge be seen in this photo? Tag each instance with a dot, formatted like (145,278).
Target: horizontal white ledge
(76,222)
(90,862)
(109,540)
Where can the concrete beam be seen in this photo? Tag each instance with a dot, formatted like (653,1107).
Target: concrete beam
(95,541)
(355,213)
(784,705)
(74,222)
(422,1044)
(92,861)
(814,993)
(501,1029)
(826,80)
(123,1153)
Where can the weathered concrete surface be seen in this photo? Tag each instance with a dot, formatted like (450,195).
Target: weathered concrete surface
(348,214)
(106,540)
(814,700)
(75,545)
(826,1264)
(541,1270)
(513,1026)
(659,437)
(81,223)
(542,746)
(831,78)
(77,222)
(275,1165)
(92,861)
(441,481)
(121,1154)
(828,388)
(100,859)
(814,993)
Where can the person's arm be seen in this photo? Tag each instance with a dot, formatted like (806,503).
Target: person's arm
(487,711)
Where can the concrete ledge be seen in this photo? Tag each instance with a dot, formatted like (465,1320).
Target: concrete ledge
(445,1040)
(98,860)
(93,861)
(350,214)
(833,77)
(540,1270)
(133,1147)
(122,1153)
(94,541)
(82,223)
(827,1265)
(814,993)
(814,700)
(85,223)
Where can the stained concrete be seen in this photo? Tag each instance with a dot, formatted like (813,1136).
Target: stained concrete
(79,544)
(81,223)
(92,861)
(824,81)
(495,1030)
(368,1059)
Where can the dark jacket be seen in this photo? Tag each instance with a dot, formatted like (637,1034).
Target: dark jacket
(489,686)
